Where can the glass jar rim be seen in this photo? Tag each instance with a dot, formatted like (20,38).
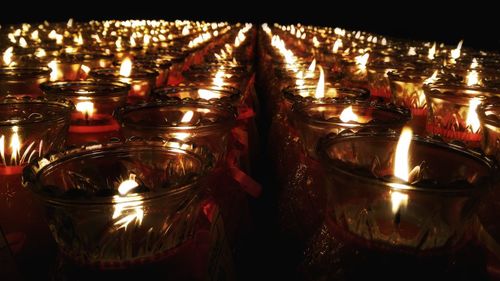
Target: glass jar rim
(136,73)
(36,169)
(300,108)
(65,108)
(121,112)
(327,142)
(91,88)
(460,90)
(23,72)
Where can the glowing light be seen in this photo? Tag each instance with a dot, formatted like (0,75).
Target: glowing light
(126,67)
(401,163)
(472,120)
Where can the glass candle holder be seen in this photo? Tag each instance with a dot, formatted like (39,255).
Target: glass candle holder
(159,64)
(92,120)
(23,80)
(314,119)
(407,90)
(489,113)
(75,66)
(117,205)
(378,77)
(380,220)
(201,122)
(199,92)
(302,200)
(29,128)
(452,111)
(142,81)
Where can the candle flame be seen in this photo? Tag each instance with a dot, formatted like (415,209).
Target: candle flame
(312,66)
(54,74)
(79,39)
(315,42)
(186,118)
(218,80)
(15,145)
(432,78)
(40,53)
(320,87)
(34,35)
(472,78)
(132,41)
(474,64)
(401,169)
(455,53)
(127,185)
(472,120)
(432,52)
(118,43)
(338,44)
(23,43)
(2,149)
(348,115)
(207,94)
(126,67)
(398,199)
(7,56)
(85,68)
(128,207)
(146,39)
(361,60)
(86,108)
(412,51)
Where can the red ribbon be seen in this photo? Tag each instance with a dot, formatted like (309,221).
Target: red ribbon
(248,184)
(245,112)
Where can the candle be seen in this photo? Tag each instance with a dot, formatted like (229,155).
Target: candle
(23,80)
(142,81)
(121,205)
(29,128)
(407,90)
(302,199)
(452,111)
(94,101)
(409,203)
(203,123)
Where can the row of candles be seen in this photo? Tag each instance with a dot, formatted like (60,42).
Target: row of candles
(136,135)
(395,128)
(353,108)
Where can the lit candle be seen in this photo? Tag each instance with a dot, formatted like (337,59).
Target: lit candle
(142,81)
(92,119)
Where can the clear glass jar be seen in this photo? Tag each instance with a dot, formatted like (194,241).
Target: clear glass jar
(92,120)
(141,81)
(29,128)
(117,205)
(452,111)
(23,80)
(422,228)
(202,122)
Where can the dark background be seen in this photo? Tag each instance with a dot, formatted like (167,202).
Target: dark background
(475,22)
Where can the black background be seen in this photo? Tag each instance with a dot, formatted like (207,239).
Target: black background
(475,22)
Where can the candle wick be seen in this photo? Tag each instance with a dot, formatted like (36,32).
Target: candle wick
(86,118)
(397,218)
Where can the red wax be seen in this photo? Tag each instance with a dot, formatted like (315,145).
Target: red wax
(418,121)
(380,92)
(472,139)
(98,123)
(23,223)
(11,170)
